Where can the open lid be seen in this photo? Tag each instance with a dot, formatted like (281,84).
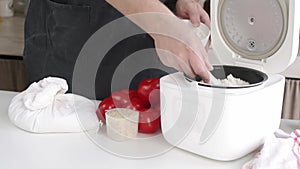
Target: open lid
(258,34)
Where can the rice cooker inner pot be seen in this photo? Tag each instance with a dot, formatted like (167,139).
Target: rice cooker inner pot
(252,76)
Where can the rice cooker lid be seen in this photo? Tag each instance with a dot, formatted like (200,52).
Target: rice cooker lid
(253,31)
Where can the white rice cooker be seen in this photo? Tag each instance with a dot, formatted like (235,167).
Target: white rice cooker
(255,40)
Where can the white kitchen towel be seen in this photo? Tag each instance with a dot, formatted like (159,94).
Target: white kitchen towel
(281,151)
(45,108)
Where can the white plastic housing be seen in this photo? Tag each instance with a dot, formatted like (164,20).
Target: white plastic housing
(217,123)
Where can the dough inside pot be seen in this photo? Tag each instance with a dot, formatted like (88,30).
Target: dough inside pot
(231,81)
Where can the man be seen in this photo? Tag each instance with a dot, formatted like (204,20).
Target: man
(56,30)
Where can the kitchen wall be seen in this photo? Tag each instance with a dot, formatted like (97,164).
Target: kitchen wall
(12,70)
(201,2)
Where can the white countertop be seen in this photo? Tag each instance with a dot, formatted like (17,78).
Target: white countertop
(20,149)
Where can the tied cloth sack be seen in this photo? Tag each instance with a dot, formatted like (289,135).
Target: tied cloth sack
(44,107)
(280,151)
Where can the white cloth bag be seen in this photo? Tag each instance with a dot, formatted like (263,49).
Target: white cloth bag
(280,151)
(45,108)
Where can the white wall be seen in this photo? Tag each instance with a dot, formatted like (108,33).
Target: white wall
(201,2)
(293,71)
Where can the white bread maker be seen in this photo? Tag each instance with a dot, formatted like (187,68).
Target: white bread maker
(254,40)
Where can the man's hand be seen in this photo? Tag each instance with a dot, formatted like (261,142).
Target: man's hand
(191,9)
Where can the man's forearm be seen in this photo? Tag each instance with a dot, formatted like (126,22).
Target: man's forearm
(150,15)
(128,7)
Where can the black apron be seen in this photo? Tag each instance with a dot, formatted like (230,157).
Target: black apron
(56,30)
